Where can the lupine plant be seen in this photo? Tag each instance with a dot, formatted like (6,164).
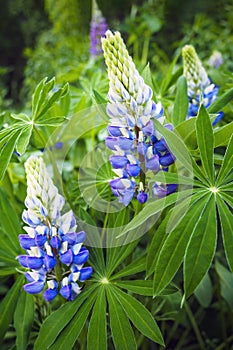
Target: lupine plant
(97,30)
(160,252)
(54,250)
(133,139)
(200,89)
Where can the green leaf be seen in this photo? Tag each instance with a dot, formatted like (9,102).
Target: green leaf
(173,249)
(226,283)
(158,239)
(37,93)
(7,306)
(167,81)
(146,74)
(201,248)
(137,286)
(139,316)
(227,163)
(226,219)
(50,100)
(44,97)
(50,121)
(137,265)
(187,132)
(97,330)
(122,333)
(21,116)
(123,252)
(24,139)
(222,135)
(175,178)
(204,291)
(23,319)
(70,333)
(180,209)
(221,102)
(100,103)
(169,223)
(228,198)
(205,140)
(57,321)
(7,152)
(113,252)
(9,221)
(181,102)
(151,209)
(6,271)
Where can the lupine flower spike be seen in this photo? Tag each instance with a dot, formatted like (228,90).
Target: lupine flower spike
(215,59)
(200,88)
(54,256)
(97,30)
(135,145)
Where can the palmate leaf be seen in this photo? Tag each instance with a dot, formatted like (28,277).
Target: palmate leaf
(173,249)
(158,239)
(23,319)
(121,253)
(137,265)
(169,223)
(122,333)
(205,140)
(45,96)
(57,321)
(97,330)
(151,209)
(226,219)
(139,316)
(201,248)
(7,306)
(137,286)
(181,102)
(68,336)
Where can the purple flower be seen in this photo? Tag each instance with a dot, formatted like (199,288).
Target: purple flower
(98,28)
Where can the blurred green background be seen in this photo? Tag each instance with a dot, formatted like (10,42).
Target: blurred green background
(51,38)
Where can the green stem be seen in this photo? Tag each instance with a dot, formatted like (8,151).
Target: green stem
(58,270)
(220,302)
(195,326)
(226,343)
(145,50)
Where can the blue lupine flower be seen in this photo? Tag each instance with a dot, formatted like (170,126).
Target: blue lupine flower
(200,88)
(132,137)
(53,248)
(98,28)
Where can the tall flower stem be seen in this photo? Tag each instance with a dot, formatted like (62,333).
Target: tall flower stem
(195,326)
